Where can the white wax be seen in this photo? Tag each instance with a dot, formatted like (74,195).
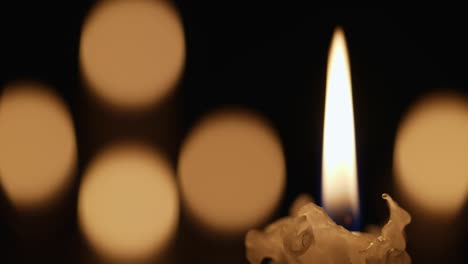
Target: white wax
(311,236)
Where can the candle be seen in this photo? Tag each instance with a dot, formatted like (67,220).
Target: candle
(309,234)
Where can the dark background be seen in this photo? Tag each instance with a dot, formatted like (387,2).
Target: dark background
(270,58)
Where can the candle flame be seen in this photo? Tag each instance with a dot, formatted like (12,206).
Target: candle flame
(339,175)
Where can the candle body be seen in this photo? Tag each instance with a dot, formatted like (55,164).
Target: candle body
(311,236)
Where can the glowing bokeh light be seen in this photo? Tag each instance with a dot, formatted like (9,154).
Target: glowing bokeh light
(231,172)
(132,52)
(37,145)
(431,154)
(128,204)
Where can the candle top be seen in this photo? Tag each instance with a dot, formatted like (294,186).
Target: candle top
(312,236)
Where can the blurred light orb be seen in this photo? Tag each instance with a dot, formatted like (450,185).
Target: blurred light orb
(231,171)
(37,145)
(128,204)
(431,154)
(132,52)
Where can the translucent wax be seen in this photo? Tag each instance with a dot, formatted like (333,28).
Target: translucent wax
(309,235)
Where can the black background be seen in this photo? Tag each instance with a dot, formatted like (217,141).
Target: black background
(270,58)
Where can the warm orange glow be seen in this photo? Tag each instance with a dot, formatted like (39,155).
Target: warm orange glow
(431,155)
(37,145)
(132,52)
(231,172)
(128,205)
(339,176)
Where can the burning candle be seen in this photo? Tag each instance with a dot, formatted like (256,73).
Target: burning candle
(339,175)
(309,234)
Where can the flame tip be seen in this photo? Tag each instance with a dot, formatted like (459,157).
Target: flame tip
(338,32)
(339,28)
